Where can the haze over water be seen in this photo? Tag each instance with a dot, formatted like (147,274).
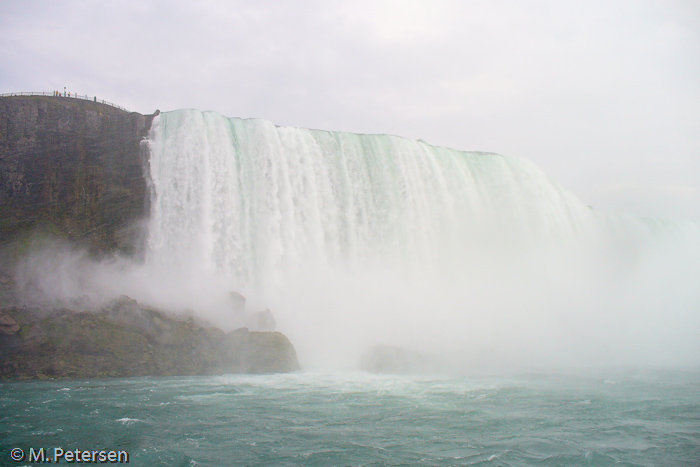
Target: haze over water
(358,240)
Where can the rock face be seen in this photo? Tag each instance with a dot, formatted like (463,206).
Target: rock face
(72,168)
(124,338)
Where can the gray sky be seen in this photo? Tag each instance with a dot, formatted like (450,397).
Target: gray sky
(604,96)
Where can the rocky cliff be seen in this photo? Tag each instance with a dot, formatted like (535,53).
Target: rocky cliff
(73,169)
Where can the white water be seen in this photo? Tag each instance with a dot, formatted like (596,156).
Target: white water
(355,240)
(258,201)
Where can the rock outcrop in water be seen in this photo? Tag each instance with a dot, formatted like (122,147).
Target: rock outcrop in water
(124,338)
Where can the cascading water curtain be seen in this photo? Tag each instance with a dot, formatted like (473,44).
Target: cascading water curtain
(493,241)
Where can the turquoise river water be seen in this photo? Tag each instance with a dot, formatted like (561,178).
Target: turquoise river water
(623,418)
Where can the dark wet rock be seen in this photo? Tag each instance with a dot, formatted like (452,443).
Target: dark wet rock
(72,169)
(8,325)
(124,338)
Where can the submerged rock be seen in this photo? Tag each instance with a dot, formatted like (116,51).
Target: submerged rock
(390,359)
(124,338)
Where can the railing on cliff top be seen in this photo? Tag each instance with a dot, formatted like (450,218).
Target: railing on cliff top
(68,96)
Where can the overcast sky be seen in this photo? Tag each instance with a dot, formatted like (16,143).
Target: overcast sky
(604,96)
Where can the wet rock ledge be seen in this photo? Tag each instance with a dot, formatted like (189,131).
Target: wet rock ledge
(124,338)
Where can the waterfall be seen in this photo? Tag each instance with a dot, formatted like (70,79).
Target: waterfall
(365,232)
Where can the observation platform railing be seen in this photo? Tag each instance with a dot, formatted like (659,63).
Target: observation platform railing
(61,96)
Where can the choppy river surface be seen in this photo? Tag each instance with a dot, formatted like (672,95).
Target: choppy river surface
(629,418)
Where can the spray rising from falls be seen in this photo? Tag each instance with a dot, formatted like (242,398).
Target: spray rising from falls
(356,240)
